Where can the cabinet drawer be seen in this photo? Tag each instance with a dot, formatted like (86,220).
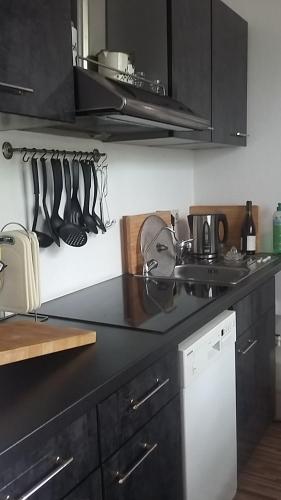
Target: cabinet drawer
(90,489)
(127,410)
(50,468)
(253,306)
(149,465)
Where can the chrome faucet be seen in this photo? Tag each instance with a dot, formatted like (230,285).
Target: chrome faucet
(183,249)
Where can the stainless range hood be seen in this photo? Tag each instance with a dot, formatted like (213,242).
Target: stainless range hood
(111,108)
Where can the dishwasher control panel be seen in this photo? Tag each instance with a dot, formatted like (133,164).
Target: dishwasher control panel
(205,346)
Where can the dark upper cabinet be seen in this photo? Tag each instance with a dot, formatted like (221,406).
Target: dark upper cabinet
(140,29)
(36,76)
(198,48)
(191,70)
(229,75)
(209,68)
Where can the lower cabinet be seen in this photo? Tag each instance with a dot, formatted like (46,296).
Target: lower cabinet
(246,396)
(255,372)
(148,466)
(90,489)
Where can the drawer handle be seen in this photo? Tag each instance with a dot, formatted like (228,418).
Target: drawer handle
(45,480)
(252,344)
(136,404)
(122,478)
(15,89)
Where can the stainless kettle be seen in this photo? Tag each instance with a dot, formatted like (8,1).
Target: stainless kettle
(204,229)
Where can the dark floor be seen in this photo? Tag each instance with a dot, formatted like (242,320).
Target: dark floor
(261,479)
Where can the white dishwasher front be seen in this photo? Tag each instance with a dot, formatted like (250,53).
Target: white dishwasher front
(208,401)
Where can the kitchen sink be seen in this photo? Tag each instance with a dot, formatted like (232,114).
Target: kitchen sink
(219,272)
(211,273)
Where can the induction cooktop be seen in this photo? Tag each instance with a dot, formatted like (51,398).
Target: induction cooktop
(127,301)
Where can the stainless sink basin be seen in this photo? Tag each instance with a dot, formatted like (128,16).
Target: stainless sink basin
(217,272)
(210,273)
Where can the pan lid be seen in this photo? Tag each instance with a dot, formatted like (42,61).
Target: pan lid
(157,244)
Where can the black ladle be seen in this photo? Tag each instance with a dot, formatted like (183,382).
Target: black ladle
(45,208)
(76,215)
(95,216)
(89,222)
(70,233)
(45,240)
(56,220)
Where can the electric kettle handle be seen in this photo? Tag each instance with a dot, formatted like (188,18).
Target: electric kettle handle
(223,219)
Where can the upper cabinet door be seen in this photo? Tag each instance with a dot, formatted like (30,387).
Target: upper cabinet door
(140,29)
(191,58)
(36,76)
(191,54)
(229,75)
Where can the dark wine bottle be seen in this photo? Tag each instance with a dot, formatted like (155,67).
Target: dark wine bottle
(248,232)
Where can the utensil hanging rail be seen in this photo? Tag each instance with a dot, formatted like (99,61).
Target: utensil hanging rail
(8,151)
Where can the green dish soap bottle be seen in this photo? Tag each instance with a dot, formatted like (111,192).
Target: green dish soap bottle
(277,230)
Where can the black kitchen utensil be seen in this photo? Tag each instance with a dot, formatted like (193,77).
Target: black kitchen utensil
(45,240)
(72,234)
(45,208)
(89,221)
(95,216)
(76,215)
(56,220)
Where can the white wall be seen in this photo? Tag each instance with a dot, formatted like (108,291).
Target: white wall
(235,175)
(140,180)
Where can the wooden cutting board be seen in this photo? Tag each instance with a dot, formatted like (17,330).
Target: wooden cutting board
(235,215)
(131,229)
(21,340)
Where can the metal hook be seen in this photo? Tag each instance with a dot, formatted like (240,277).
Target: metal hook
(74,155)
(63,154)
(53,154)
(25,158)
(80,155)
(101,162)
(96,155)
(58,154)
(43,154)
(34,153)
(92,157)
(88,158)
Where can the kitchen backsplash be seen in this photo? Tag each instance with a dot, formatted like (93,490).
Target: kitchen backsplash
(140,180)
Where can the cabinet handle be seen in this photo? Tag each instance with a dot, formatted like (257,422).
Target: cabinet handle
(122,478)
(15,89)
(45,480)
(252,344)
(136,404)
(240,134)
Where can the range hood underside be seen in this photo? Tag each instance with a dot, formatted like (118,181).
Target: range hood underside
(108,129)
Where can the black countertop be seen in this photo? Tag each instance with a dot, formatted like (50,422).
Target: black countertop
(47,389)
(152,305)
